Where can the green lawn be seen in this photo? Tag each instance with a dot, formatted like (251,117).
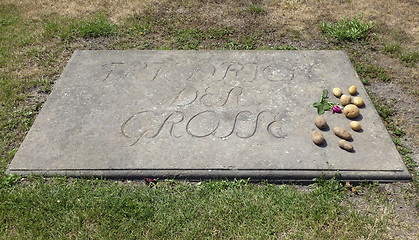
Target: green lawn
(63,208)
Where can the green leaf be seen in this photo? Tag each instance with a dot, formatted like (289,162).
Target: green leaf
(316,104)
(324,95)
(320,110)
(324,104)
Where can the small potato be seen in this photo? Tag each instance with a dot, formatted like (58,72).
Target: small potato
(355,125)
(352,90)
(337,92)
(345,145)
(358,101)
(351,111)
(345,99)
(342,133)
(317,137)
(320,122)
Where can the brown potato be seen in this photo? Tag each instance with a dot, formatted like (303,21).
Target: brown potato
(345,145)
(358,101)
(351,111)
(320,122)
(355,125)
(317,137)
(345,99)
(342,133)
(337,92)
(352,90)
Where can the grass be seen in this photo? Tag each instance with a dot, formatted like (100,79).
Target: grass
(348,30)
(99,209)
(244,43)
(392,48)
(33,52)
(255,8)
(410,58)
(368,72)
(188,39)
(386,112)
(97,25)
(283,47)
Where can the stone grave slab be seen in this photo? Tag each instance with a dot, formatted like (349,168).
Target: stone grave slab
(203,114)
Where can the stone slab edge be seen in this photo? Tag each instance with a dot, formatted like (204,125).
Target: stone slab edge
(273,175)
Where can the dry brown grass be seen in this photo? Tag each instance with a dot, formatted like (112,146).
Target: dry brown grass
(295,14)
(117,9)
(303,14)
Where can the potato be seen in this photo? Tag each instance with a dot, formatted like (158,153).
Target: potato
(342,133)
(317,137)
(358,101)
(320,122)
(351,111)
(355,125)
(337,92)
(345,99)
(352,90)
(345,145)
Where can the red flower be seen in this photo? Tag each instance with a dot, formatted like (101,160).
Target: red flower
(336,109)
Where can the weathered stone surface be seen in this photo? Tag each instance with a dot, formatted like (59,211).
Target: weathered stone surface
(198,114)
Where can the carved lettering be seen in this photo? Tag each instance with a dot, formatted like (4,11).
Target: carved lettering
(211,97)
(169,70)
(215,111)
(110,68)
(121,70)
(148,124)
(276,73)
(253,128)
(233,93)
(185,97)
(190,71)
(253,71)
(233,69)
(203,124)
(246,124)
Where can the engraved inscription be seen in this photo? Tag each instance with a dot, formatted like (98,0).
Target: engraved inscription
(121,70)
(201,110)
(169,71)
(203,124)
(190,71)
(211,97)
(187,96)
(243,124)
(232,69)
(275,73)
(149,124)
